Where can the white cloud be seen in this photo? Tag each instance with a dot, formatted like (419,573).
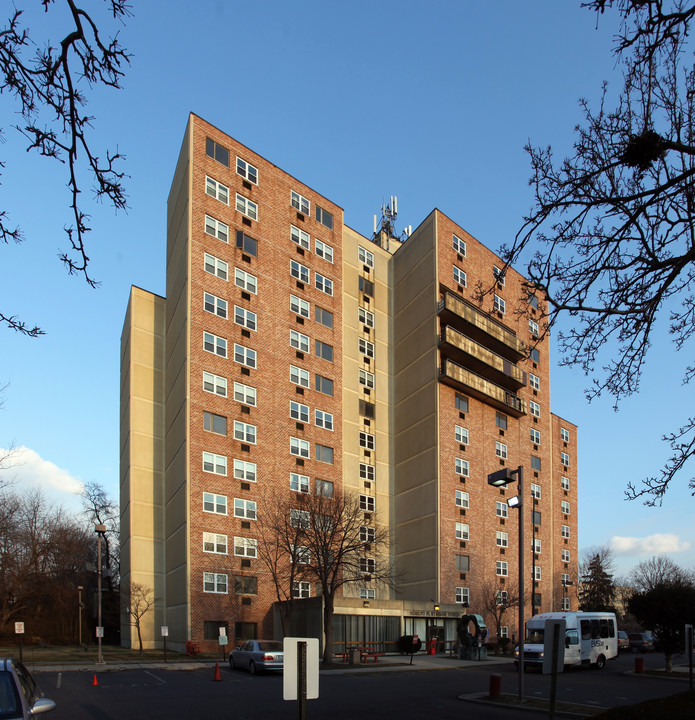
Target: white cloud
(656,544)
(26,468)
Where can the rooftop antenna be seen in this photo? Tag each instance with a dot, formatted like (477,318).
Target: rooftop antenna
(387,224)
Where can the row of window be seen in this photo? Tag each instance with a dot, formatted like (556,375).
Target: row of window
(462,530)
(303,239)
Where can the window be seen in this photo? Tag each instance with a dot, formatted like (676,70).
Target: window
(324,488)
(537,575)
(461,403)
(245,547)
(215,384)
(461,434)
(324,453)
(301,554)
(565,483)
(245,281)
(299,271)
(367,534)
(214,344)
(323,283)
(499,304)
(299,447)
(367,409)
(299,412)
(325,317)
(245,394)
(461,499)
(244,317)
(244,356)
(501,421)
(217,151)
(323,419)
(214,583)
(298,376)
(367,441)
(366,286)
(502,539)
(459,245)
(535,436)
(323,384)
(459,276)
(247,171)
(216,228)
(502,568)
(564,459)
(214,543)
(299,483)
(214,423)
(501,508)
(244,509)
(299,341)
(535,355)
(324,217)
(504,629)
(565,507)
(216,464)
(536,517)
(536,546)
(300,518)
(463,563)
(215,305)
(535,491)
(246,207)
(367,503)
(244,432)
(461,467)
(533,301)
(323,251)
(245,471)
(535,463)
(365,317)
(534,381)
(565,556)
(300,203)
(301,589)
(213,503)
(533,327)
(565,531)
(564,435)
(462,594)
(216,267)
(365,347)
(498,275)
(462,531)
(246,243)
(217,190)
(367,472)
(300,307)
(534,408)
(365,378)
(365,257)
(367,565)
(501,450)
(245,585)
(301,237)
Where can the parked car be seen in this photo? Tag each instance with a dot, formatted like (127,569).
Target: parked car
(257,656)
(20,696)
(623,640)
(641,642)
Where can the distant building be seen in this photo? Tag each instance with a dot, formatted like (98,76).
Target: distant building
(293,352)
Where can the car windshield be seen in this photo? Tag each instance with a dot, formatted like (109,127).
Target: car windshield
(270,646)
(534,637)
(9,701)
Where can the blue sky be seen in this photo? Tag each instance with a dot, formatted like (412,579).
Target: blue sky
(430,101)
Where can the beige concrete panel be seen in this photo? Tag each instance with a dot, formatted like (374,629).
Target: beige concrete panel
(421,245)
(421,403)
(418,347)
(417,534)
(176,516)
(146,416)
(146,450)
(148,383)
(417,501)
(148,485)
(418,437)
(413,471)
(146,347)
(148,519)
(177,584)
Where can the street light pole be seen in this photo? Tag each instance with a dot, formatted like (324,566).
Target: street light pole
(79,614)
(100,530)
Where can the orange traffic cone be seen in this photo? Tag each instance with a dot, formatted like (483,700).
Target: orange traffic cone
(217,677)
(95,682)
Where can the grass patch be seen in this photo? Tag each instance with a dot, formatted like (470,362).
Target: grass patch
(681,705)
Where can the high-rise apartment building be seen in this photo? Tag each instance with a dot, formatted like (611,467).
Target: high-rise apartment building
(291,354)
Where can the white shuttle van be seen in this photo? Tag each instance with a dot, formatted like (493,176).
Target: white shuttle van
(591,638)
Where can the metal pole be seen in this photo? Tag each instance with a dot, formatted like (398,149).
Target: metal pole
(100,659)
(520,474)
(79,614)
(301,680)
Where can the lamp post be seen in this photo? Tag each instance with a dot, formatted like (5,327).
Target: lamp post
(99,530)
(79,614)
(500,479)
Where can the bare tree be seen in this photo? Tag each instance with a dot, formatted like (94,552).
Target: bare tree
(497,600)
(658,570)
(140,601)
(48,82)
(102,509)
(612,229)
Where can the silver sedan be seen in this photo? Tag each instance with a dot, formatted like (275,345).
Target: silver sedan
(20,697)
(257,656)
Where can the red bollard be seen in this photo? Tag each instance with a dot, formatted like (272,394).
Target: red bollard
(495,685)
(639,666)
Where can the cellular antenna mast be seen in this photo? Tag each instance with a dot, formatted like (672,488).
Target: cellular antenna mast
(385,229)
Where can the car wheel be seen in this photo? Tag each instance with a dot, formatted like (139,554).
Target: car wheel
(252,668)
(231,663)
(600,662)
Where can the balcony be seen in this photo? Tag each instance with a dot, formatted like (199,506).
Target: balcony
(480,327)
(480,388)
(471,354)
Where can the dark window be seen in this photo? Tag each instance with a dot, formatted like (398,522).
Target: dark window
(215,423)
(324,453)
(324,217)
(535,463)
(367,409)
(324,487)
(216,151)
(367,287)
(586,629)
(248,244)
(245,631)
(463,563)
(461,403)
(324,384)
(211,629)
(536,517)
(537,598)
(501,421)
(245,585)
(535,355)
(533,301)
(324,351)
(325,317)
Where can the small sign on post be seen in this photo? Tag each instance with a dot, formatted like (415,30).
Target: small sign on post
(165,635)
(19,631)
(291,668)
(223,641)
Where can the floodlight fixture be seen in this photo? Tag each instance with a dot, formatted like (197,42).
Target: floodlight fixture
(514,502)
(500,478)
